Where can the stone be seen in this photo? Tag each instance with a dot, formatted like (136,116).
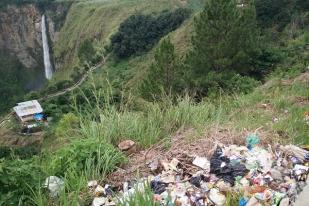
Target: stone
(127,146)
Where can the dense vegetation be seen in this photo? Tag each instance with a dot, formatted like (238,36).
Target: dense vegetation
(213,83)
(279,13)
(41,3)
(140,32)
(226,45)
(12,82)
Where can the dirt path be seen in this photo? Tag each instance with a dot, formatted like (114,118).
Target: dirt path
(78,83)
(60,93)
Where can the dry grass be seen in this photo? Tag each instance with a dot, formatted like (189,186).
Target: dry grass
(184,145)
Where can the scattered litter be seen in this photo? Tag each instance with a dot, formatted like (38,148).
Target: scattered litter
(99,190)
(252,140)
(216,197)
(284,202)
(154,165)
(54,185)
(108,191)
(242,202)
(158,187)
(275,119)
(202,162)
(92,183)
(99,201)
(262,176)
(223,168)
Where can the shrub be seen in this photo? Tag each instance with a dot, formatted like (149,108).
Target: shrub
(15,179)
(86,51)
(86,156)
(19,152)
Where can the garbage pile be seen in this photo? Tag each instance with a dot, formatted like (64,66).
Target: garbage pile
(259,176)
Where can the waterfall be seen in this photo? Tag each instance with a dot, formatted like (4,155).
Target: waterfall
(47,64)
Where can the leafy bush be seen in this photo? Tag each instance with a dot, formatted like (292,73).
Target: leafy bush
(140,32)
(16,177)
(82,155)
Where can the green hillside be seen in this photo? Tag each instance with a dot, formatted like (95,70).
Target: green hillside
(98,20)
(176,70)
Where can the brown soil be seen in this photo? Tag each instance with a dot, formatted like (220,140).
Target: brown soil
(13,139)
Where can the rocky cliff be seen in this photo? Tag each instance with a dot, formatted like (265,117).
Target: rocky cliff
(21,34)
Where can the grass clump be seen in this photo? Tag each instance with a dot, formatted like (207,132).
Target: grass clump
(143,195)
(90,157)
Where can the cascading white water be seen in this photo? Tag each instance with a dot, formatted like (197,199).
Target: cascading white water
(47,64)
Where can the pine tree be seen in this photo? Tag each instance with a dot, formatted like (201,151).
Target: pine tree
(225,42)
(162,74)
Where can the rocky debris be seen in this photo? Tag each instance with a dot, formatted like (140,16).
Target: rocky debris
(272,175)
(127,146)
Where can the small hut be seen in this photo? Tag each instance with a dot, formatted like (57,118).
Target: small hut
(28,111)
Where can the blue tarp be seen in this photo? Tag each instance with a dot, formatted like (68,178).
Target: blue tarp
(38,117)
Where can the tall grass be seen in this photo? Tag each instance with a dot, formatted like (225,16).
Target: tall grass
(112,123)
(76,163)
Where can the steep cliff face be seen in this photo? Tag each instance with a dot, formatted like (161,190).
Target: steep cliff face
(21,53)
(21,34)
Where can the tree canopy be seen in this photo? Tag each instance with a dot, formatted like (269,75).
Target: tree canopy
(226,41)
(140,32)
